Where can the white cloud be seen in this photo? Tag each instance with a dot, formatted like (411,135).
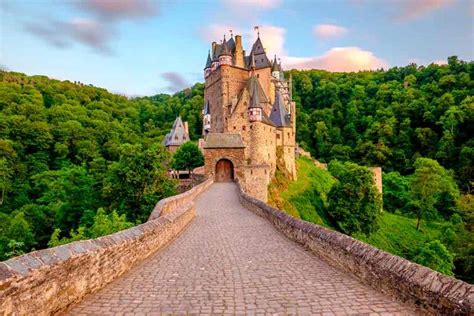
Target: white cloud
(327,31)
(440,62)
(215,32)
(273,39)
(344,59)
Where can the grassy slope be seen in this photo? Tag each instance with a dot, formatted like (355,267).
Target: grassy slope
(306,199)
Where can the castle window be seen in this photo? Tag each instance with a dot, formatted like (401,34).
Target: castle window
(242,114)
(235,127)
(176,137)
(251,126)
(251,172)
(278,136)
(258,75)
(243,127)
(288,150)
(265,171)
(288,135)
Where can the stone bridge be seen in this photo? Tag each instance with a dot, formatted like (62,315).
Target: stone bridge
(237,256)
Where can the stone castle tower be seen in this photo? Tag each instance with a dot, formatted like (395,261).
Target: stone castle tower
(248,117)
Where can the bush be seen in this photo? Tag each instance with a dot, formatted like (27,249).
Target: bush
(435,256)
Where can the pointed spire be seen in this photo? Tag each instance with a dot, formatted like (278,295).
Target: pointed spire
(252,61)
(275,64)
(225,48)
(209,61)
(254,95)
(279,115)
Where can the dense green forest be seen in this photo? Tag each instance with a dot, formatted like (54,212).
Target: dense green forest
(77,161)
(390,118)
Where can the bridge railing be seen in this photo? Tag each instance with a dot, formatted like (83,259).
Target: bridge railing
(388,273)
(47,281)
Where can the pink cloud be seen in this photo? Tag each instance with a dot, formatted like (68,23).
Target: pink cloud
(338,59)
(121,8)
(273,39)
(327,31)
(440,62)
(252,4)
(412,9)
(215,32)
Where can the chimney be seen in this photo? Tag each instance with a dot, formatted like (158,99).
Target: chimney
(213,49)
(239,52)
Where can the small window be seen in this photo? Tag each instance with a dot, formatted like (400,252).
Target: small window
(288,135)
(235,127)
(288,150)
(251,126)
(258,75)
(242,114)
(278,136)
(243,127)
(176,137)
(251,172)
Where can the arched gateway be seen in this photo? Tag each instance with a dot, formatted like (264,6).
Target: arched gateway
(224,171)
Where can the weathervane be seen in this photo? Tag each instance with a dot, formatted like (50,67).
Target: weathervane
(257,28)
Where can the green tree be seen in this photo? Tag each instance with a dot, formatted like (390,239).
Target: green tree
(428,182)
(354,203)
(435,256)
(187,157)
(105,224)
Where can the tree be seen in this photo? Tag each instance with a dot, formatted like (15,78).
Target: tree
(428,182)
(187,157)
(435,256)
(396,192)
(354,202)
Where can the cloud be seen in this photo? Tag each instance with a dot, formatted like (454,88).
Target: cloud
(121,9)
(440,62)
(215,32)
(176,81)
(88,32)
(412,9)
(250,5)
(328,31)
(273,39)
(341,59)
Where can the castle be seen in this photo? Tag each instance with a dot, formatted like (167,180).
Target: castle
(249,118)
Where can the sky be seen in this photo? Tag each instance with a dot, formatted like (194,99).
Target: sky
(146,47)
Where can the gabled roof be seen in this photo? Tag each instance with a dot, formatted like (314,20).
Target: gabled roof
(261,59)
(178,135)
(279,116)
(257,95)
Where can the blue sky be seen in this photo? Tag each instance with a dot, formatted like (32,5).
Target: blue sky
(144,47)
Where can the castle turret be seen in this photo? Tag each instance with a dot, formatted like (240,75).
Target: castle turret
(276,69)
(225,55)
(214,57)
(207,68)
(255,107)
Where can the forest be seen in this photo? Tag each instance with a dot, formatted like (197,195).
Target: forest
(78,162)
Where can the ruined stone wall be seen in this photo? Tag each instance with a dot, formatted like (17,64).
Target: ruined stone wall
(391,274)
(47,281)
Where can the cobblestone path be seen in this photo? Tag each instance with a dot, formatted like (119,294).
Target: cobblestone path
(230,261)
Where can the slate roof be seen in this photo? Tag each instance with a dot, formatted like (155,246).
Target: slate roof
(209,61)
(178,135)
(223,140)
(257,95)
(275,65)
(225,49)
(261,59)
(279,116)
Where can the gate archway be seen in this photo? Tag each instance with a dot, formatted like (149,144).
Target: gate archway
(224,171)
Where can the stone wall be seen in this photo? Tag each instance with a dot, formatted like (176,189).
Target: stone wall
(47,281)
(406,280)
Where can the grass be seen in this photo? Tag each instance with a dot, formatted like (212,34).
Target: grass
(306,198)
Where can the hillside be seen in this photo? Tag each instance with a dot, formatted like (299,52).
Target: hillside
(77,160)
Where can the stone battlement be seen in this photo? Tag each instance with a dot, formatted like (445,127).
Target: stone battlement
(48,281)
(437,293)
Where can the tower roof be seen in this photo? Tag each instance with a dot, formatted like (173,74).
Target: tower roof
(252,61)
(225,49)
(257,95)
(276,66)
(178,134)
(279,116)
(209,61)
(231,44)
(261,59)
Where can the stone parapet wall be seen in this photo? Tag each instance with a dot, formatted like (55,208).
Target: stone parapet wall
(391,274)
(48,281)
(171,203)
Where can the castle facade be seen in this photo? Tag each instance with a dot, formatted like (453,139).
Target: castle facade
(249,118)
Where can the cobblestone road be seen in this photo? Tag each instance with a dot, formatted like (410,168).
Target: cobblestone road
(230,261)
